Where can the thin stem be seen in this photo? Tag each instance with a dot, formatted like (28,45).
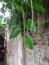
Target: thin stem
(23,14)
(32,13)
(24,23)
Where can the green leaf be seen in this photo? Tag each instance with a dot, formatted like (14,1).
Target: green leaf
(12,20)
(28,24)
(15,32)
(28,41)
(18,7)
(37,6)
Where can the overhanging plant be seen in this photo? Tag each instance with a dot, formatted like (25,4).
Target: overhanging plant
(19,19)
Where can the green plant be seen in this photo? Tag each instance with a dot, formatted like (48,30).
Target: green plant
(27,40)
(12,20)
(22,17)
(28,25)
(15,32)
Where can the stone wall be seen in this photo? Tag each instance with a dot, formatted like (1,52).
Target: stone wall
(12,49)
(39,55)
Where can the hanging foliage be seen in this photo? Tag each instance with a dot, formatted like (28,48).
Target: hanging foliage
(12,20)
(37,6)
(15,32)
(28,25)
(19,7)
(28,41)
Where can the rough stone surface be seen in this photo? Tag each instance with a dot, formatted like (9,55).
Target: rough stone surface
(12,50)
(37,56)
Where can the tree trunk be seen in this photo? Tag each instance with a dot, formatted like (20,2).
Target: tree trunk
(14,49)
